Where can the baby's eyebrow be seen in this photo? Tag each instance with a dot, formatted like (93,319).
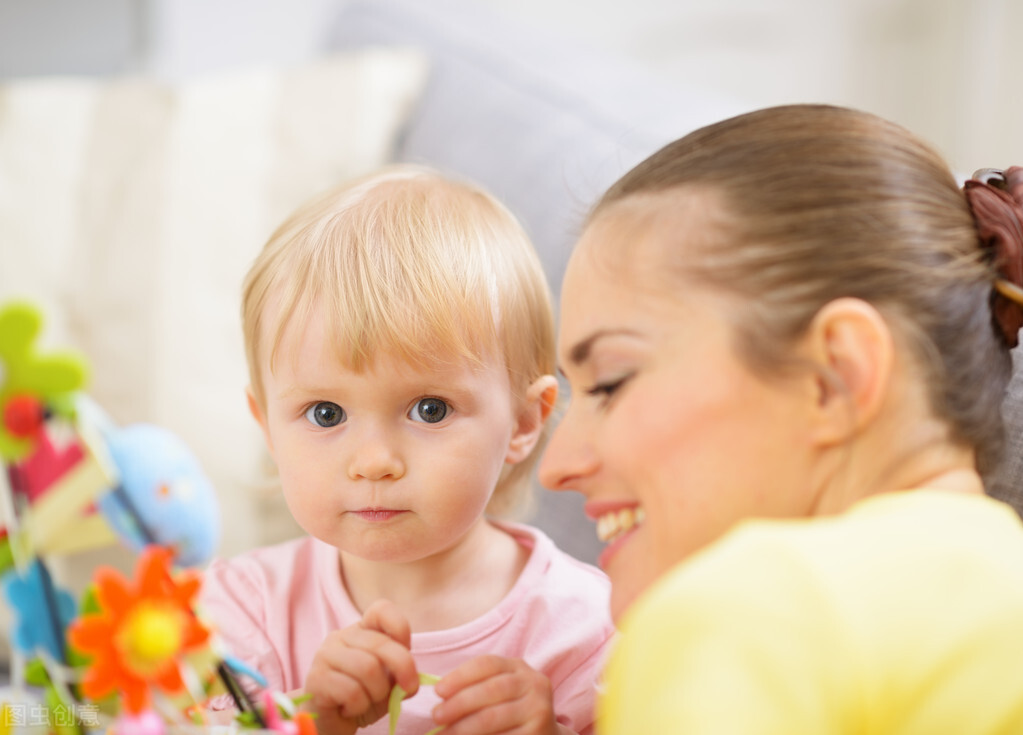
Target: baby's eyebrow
(296,389)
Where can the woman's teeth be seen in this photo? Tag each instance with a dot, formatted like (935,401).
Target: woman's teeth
(612,525)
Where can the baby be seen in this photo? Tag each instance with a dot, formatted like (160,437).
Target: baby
(400,342)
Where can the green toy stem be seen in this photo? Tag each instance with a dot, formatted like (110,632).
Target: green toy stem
(394,703)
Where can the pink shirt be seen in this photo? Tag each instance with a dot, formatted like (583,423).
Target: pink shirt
(274,606)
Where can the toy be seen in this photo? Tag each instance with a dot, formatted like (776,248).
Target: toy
(139,632)
(42,611)
(134,657)
(143,644)
(395,700)
(31,384)
(65,458)
(162,496)
(281,716)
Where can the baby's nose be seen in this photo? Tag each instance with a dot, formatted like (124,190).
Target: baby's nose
(377,457)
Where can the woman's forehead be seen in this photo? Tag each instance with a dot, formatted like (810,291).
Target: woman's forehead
(676,216)
(649,239)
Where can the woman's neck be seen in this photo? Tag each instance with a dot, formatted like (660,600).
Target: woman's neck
(446,589)
(923,457)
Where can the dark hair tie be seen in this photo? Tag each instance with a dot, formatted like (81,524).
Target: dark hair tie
(996,200)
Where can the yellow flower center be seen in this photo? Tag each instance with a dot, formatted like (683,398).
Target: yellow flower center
(150,637)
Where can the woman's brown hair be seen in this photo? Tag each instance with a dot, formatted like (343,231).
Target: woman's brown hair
(823,202)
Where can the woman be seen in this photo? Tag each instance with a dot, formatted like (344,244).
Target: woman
(787,346)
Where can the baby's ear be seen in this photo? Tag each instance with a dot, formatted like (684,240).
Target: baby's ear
(534,411)
(257,413)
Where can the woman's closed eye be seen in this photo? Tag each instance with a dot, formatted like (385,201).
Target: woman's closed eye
(325,414)
(606,390)
(429,410)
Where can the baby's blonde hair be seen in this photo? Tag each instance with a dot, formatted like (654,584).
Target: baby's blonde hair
(413,265)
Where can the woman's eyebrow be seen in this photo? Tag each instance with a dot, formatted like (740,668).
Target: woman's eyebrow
(580,352)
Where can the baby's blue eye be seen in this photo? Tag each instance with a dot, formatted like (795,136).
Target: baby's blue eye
(429,410)
(325,414)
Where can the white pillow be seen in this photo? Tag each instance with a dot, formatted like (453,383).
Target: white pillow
(130,210)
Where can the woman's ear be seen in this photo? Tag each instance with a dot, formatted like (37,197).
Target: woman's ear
(851,346)
(257,413)
(534,411)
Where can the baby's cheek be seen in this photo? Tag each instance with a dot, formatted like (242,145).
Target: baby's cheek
(305,504)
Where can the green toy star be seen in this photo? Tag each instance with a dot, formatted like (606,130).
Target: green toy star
(51,379)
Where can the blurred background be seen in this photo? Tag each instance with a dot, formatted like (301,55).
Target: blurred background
(134,196)
(944,68)
(129,210)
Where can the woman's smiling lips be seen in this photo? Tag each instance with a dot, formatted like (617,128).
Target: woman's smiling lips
(616,521)
(376,515)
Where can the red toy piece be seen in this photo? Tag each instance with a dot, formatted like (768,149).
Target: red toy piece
(47,464)
(24,415)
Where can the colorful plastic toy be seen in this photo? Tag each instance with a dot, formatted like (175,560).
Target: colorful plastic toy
(141,631)
(135,654)
(32,384)
(42,612)
(162,496)
(398,696)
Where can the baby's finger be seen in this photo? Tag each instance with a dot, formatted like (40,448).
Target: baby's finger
(526,689)
(334,690)
(473,671)
(369,658)
(506,717)
(372,669)
(384,616)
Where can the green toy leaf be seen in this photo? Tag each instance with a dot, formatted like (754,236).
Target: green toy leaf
(394,703)
(35,673)
(6,556)
(23,370)
(247,720)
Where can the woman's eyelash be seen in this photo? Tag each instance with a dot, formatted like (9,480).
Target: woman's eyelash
(607,389)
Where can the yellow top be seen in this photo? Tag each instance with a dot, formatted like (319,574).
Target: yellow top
(904,616)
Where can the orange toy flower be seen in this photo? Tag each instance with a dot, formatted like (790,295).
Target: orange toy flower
(141,631)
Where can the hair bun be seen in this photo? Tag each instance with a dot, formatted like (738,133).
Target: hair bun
(996,200)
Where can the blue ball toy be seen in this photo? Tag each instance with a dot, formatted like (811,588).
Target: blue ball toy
(163,496)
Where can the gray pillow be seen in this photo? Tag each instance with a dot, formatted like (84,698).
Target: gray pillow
(544,125)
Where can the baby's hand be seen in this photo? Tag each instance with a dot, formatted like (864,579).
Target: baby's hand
(491,694)
(353,673)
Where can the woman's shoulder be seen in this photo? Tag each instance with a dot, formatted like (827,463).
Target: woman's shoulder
(919,539)
(846,616)
(897,543)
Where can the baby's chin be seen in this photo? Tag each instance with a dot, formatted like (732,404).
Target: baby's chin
(387,548)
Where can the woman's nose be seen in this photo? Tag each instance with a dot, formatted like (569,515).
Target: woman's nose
(569,458)
(376,456)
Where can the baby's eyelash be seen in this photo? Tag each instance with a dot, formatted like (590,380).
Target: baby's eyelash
(325,414)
